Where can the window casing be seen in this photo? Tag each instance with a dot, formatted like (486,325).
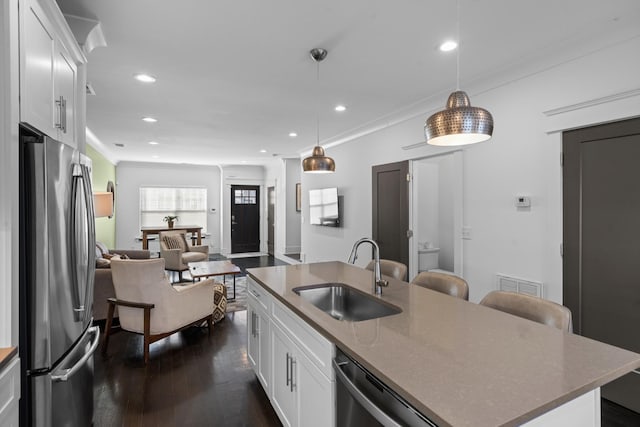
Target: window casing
(189,204)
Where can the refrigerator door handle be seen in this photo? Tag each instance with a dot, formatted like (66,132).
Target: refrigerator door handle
(68,373)
(91,241)
(78,308)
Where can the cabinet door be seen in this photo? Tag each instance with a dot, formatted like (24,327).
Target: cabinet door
(37,46)
(284,396)
(315,395)
(264,366)
(65,95)
(253,346)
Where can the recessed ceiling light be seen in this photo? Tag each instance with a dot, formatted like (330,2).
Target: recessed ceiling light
(448,46)
(340,108)
(145,78)
(153,143)
(263,151)
(243,161)
(293,134)
(149,119)
(155,157)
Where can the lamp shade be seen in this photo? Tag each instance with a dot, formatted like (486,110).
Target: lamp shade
(318,162)
(459,123)
(103,204)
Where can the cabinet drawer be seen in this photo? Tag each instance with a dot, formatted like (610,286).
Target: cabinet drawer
(258,294)
(316,347)
(9,391)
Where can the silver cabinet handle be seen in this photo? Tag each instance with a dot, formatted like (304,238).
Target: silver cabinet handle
(257,325)
(293,364)
(371,407)
(68,373)
(253,323)
(254,293)
(288,379)
(64,114)
(59,102)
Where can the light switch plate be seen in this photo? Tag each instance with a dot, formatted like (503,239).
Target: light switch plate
(466,232)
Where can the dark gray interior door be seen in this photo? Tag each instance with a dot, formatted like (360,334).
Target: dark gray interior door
(390,211)
(245,218)
(601,283)
(271,200)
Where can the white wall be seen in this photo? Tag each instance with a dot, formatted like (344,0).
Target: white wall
(242,175)
(292,217)
(521,158)
(130,176)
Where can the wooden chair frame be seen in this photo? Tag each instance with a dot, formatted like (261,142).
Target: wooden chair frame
(148,337)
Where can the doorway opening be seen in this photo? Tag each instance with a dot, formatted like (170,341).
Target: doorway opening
(245,218)
(437,195)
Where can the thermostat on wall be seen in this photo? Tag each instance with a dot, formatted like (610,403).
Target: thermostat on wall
(523,202)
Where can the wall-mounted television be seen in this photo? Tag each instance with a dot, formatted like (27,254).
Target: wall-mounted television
(323,207)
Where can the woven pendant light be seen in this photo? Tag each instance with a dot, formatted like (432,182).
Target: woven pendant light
(318,162)
(459,123)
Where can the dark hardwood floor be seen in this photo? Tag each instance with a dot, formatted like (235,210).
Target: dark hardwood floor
(614,415)
(192,379)
(249,262)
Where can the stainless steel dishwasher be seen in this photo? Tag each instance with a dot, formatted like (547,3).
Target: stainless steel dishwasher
(363,400)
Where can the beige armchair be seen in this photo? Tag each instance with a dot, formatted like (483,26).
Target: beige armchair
(177,253)
(151,306)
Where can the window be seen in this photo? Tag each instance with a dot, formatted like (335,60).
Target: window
(245,197)
(188,204)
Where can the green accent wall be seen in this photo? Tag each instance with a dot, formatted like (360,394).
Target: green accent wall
(103,171)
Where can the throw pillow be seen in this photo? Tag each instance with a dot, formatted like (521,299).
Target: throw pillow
(102,248)
(103,263)
(175,242)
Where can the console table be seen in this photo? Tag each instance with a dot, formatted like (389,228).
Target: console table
(193,229)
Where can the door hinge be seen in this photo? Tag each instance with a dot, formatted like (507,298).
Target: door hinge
(561,249)
(561,159)
(408,177)
(409,234)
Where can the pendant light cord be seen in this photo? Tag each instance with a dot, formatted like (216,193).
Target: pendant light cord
(459,44)
(318,103)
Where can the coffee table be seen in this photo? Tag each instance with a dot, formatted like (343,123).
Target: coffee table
(204,269)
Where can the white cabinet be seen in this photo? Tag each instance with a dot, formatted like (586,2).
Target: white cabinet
(258,333)
(302,395)
(49,83)
(293,364)
(65,95)
(10,394)
(283,397)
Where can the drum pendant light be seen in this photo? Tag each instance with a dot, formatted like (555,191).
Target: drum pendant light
(459,123)
(318,162)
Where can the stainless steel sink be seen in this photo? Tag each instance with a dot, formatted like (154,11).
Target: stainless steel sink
(343,302)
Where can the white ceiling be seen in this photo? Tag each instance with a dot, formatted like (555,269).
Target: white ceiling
(234,77)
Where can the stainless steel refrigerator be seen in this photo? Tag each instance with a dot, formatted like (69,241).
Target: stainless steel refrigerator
(57,262)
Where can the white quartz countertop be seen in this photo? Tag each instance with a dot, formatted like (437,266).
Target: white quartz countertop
(459,363)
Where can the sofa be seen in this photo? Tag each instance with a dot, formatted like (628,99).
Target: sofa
(103,284)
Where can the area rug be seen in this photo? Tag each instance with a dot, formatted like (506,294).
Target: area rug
(240,302)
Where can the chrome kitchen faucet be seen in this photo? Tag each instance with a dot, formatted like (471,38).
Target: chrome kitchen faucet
(378,283)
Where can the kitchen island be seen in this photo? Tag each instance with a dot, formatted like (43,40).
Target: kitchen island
(458,363)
